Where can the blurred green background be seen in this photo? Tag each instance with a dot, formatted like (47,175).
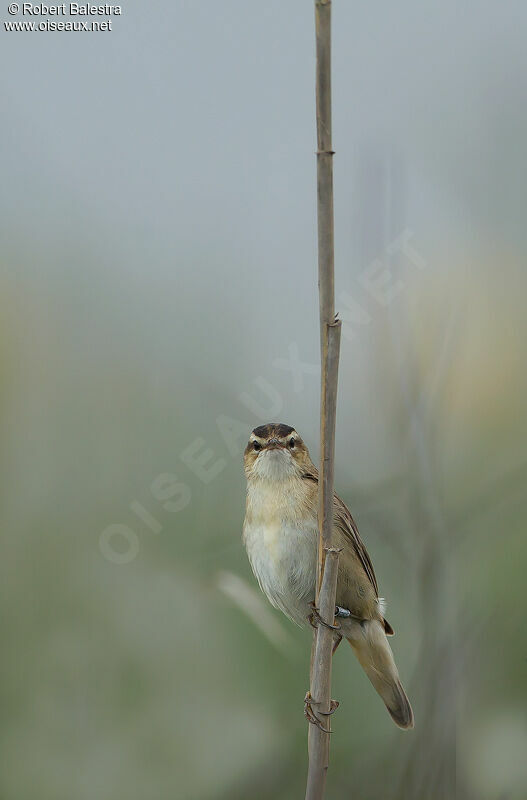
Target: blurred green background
(158,300)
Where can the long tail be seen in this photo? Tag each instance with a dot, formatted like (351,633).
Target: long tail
(376,658)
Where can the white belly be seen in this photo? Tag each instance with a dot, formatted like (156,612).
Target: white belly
(284,560)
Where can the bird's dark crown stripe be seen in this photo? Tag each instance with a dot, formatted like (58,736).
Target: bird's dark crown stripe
(273,429)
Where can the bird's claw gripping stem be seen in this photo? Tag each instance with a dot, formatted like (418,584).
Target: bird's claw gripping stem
(310,714)
(315,619)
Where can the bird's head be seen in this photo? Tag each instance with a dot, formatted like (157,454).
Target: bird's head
(275,451)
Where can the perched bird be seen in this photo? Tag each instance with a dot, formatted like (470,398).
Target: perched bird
(280,533)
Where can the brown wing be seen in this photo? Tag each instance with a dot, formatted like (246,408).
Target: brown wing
(346,525)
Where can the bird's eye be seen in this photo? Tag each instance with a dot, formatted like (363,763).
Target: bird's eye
(257,446)
(291,443)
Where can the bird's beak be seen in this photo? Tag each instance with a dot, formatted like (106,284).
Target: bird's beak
(274,444)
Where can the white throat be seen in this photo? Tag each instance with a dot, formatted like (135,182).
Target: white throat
(274,465)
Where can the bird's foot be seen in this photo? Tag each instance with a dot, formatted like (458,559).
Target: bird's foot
(310,714)
(315,619)
(345,613)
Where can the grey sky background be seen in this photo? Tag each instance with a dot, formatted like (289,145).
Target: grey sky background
(169,165)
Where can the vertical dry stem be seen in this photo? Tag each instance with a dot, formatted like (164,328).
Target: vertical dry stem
(320,688)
